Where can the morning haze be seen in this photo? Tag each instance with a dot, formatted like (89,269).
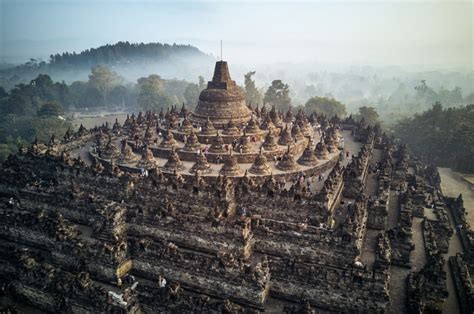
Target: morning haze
(431,34)
(236,156)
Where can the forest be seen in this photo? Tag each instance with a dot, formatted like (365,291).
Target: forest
(410,109)
(130,60)
(443,136)
(44,107)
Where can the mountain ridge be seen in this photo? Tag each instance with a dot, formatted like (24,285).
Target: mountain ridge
(130,60)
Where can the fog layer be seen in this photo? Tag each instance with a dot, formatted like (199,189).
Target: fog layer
(436,34)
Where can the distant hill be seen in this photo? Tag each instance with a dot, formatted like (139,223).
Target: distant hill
(131,60)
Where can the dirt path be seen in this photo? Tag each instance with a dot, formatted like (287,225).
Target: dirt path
(451,305)
(418,255)
(370,239)
(453,184)
(398,289)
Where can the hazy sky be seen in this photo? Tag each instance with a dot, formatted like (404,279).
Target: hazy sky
(436,34)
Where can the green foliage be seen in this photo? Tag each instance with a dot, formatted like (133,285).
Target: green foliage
(175,89)
(443,136)
(253,95)
(427,94)
(104,80)
(191,94)
(16,131)
(50,109)
(3,93)
(202,83)
(121,52)
(469,99)
(29,128)
(121,55)
(327,106)
(5,150)
(152,96)
(369,114)
(27,99)
(118,95)
(85,95)
(278,94)
(30,111)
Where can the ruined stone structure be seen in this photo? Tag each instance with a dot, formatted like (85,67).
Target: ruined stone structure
(220,210)
(222,101)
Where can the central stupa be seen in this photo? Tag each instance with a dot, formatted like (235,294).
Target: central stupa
(222,101)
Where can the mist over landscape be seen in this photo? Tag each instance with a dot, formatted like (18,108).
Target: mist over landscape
(371,53)
(236,156)
(398,58)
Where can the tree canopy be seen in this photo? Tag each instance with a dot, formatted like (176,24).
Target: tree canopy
(30,111)
(27,99)
(50,109)
(278,94)
(443,136)
(121,52)
(124,57)
(369,114)
(104,80)
(192,92)
(327,106)
(152,96)
(253,95)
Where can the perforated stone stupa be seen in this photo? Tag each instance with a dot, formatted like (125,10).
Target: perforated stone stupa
(222,101)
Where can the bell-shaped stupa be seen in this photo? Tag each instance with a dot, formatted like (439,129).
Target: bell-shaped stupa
(222,101)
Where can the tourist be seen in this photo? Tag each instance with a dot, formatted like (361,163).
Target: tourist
(242,211)
(161,281)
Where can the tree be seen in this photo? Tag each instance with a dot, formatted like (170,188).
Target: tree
(369,114)
(176,88)
(426,93)
(191,94)
(85,95)
(50,109)
(469,100)
(104,80)
(278,94)
(327,106)
(152,96)
(253,95)
(3,93)
(192,91)
(443,136)
(453,97)
(118,95)
(17,104)
(202,83)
